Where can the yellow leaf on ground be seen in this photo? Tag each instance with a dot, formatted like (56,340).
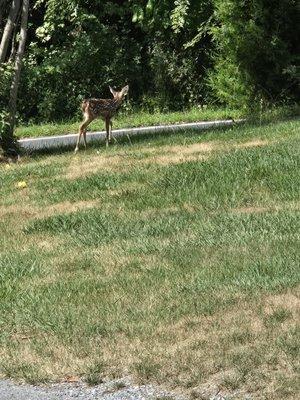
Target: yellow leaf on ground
(21,185)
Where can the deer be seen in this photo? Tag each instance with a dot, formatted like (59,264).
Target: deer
(101,108)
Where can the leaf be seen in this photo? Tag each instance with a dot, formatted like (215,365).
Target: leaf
(21,185)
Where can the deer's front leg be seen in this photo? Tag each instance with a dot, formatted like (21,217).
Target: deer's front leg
(107,123)
(84,138)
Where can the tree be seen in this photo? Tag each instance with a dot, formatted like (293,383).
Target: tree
(2,12)
(257,51)
(8,142)
(8,30)
(178,40)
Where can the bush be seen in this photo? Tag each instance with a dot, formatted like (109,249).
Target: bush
(257,53)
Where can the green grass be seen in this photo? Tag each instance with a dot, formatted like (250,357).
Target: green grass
(137,118)
(129,120)
(174,259)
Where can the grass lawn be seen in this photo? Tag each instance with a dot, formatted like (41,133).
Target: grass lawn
(174,259)
(129,120)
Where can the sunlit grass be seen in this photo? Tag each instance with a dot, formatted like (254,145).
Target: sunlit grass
(174,259)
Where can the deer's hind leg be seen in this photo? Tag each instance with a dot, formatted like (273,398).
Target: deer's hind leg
(82,130)
(110,130)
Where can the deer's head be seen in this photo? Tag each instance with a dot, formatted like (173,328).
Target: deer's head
(119,95)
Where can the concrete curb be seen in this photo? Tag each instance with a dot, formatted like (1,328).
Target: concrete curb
(50,142)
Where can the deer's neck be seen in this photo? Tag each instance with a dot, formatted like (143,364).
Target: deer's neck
(116,104)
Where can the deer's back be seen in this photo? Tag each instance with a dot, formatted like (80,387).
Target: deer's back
(100,107)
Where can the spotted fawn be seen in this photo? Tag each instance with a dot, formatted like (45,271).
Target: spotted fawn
(100,108)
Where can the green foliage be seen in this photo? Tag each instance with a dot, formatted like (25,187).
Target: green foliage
(77,48)
(76,54)
(174,54)
(257,54)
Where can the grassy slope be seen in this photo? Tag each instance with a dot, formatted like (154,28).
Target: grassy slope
(174,259)
(129,120)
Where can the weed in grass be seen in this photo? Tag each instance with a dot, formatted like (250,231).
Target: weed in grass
(94,374)
(22,370)
(119,385)
(289,343)
(232,381)
(278,316)
(241,337)
(146,369)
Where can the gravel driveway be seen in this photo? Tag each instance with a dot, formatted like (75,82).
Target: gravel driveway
(114,390)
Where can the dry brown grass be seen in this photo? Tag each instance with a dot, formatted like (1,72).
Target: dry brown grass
(254,143)
(67,207)
(28,211)
(181,154)
(29,359)
(293,206)
(233,348)
(80,166)
(197,353)
(124,160)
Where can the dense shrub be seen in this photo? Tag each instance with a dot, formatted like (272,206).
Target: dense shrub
(257,51)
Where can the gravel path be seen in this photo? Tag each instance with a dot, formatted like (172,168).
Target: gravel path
(113,390)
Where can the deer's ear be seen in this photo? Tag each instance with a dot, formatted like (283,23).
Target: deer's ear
(113,92)
(125,90)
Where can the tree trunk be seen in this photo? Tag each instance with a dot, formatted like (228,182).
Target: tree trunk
(2,6)
(13,50)
(8,141)
(8,29)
